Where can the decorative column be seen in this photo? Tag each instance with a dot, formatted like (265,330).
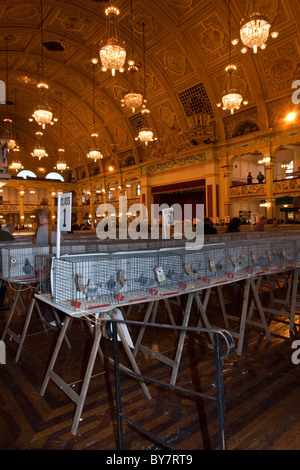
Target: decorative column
(269,176)
(52,205)
(21,205)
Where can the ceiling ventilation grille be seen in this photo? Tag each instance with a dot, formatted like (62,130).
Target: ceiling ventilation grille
(137,121)
(195,101)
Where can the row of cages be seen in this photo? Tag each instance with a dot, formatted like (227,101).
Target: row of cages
(81,280)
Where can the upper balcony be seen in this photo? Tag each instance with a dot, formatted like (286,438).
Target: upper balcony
(280,188)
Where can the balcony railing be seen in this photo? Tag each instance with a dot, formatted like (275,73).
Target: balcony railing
(281,187)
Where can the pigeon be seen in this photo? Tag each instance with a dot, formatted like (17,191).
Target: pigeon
(92,291)
(28,268)
(111,284)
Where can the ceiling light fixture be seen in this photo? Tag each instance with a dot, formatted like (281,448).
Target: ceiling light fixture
(232,97)
(61,164)
(254,30)
(112,49)
(94,153)
(39,150)
(132,99)
(7,131)
(145,133)
(43,113)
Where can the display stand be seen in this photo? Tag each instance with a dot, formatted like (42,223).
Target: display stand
(18,287)
(97,331)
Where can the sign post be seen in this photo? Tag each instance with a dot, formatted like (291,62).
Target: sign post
(64,217)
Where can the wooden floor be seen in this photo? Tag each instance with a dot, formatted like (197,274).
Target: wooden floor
(262,391)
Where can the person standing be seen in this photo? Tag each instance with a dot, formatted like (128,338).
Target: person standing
(43,233)
(6,233)
(260,177)
(260,227)
(249,178)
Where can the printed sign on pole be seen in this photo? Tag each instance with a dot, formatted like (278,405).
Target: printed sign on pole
(65,212)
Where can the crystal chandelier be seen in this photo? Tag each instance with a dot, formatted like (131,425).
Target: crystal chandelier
(254,30)
(61,164)
(112,49)
(16,164)
(132,99)
(94,153)
(232,97)
(7,131)
(7,134)
(39,150)
(145,133)
(43,113)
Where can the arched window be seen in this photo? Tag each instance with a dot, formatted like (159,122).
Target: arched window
(54,176)
(138,190)
(25,173)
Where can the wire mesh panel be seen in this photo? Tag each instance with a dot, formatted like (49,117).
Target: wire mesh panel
(19,262)
(238,256)
(43,265)
(283,253)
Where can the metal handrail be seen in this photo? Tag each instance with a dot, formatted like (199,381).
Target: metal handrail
(218,335)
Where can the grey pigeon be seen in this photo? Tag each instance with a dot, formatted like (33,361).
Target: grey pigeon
(28,268)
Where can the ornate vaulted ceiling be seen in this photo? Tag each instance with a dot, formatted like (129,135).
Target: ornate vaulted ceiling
(186,54)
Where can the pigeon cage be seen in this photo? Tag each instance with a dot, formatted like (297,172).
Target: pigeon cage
(18,263)
(283,252)
(297,252)
(238,259)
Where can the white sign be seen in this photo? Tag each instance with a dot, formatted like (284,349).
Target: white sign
(64,212)
(167,220)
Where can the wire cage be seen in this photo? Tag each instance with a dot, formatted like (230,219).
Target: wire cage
(283,253)
(238,259)
(43,266)
(19,262)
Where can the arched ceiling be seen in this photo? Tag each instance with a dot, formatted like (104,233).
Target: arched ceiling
(186,53)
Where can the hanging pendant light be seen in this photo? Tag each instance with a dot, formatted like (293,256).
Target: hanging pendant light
(255,29)
(112,49)
(146,133)
(43,113)
(7,131)
(61,164)
(16,164)
(94,153)
(39,150)
(132,99)
(232,97)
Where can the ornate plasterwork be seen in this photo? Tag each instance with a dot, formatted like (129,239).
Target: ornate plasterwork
(170,164)
(248,190)
(280,67)
(209,34)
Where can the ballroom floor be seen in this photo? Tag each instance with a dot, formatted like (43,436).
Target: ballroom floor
(262,389)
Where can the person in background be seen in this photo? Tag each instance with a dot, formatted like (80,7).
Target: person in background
(43,233)
(260,177)
(234,225)
(275,224)
(249,178)
(6,233)
(260,227)
(208,227)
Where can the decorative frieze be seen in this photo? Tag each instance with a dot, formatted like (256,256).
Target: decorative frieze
(171,164)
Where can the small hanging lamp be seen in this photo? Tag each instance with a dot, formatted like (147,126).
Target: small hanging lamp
(43,113)
(94,153)
(39,150)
